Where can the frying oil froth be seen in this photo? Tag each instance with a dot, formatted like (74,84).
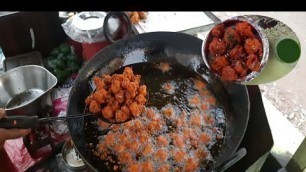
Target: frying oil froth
(177,131)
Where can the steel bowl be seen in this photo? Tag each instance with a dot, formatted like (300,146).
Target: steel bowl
(262,36)
(71,158)
(25,90)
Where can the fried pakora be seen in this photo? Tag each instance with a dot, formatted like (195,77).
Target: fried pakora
(118,97)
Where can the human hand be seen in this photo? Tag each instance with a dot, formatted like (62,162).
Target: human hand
(6,134)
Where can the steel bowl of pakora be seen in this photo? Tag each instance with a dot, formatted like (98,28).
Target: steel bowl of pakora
(236,50)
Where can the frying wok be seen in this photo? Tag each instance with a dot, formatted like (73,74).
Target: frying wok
(150,48)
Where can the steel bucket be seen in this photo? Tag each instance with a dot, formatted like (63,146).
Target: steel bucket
(25,90)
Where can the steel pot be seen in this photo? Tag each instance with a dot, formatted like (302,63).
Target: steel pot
(24,90)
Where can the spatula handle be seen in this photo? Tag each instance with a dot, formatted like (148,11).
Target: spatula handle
(19,122)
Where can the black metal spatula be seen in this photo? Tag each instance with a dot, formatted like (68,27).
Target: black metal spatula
(24,122)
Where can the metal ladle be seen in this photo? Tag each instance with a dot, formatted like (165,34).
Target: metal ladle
(24,122)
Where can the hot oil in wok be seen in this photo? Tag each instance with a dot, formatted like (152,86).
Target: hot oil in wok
(176,95)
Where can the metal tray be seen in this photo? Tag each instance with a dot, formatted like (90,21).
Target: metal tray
(32,58)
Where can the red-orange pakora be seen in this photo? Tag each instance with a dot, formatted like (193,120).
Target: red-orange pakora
(217,46)
(252,45)
(245,30)
(228,73)
(118,97)
(252,62)
(235,50)
(240,69)
(231,37)
(219,62)
(218,31)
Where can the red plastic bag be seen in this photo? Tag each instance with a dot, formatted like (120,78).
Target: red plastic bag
(60,95)
(17,157)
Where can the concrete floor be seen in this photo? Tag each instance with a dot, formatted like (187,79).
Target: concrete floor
(285,99)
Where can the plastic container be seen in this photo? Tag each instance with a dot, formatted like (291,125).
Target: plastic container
(96,30)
